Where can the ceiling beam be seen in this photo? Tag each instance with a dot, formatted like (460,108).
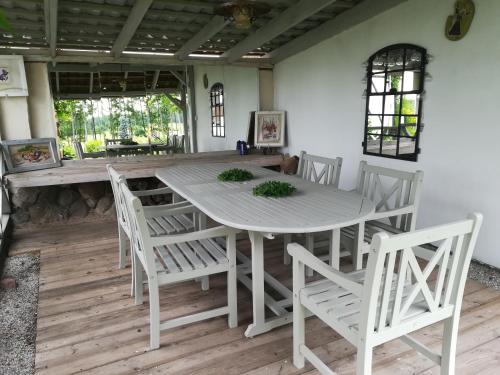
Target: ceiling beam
(50,15)
(128,30)
(344,21)
(279,24)
(114,94)
(155,80)
(125,76)
(215,25)
(57,83)
(179,76)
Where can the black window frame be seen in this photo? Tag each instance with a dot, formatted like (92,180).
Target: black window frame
(421,68)
(217,110)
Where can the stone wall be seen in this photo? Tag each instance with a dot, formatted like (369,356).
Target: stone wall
(59,203)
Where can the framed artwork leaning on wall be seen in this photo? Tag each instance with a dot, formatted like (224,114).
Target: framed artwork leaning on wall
(30,154)
(270,128)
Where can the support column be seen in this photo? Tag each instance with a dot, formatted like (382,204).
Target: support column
(191,108)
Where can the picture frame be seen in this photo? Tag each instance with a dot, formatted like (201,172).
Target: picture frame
(30,154)
(12,76)
(269,128)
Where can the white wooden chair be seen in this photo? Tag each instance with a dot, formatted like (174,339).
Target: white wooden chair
(376,305)
(319,170)
(169,259)
(396,195)
(157,225)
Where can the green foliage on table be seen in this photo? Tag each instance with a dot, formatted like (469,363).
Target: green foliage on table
(129,143)
(274,189)
(236,175)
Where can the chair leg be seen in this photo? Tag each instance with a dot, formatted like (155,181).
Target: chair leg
(310,247)
(287,259)
(205,283)
(298,315)
(138,285)
(357,248)
(154,314)
(232,297)
(450,333)
(132,261)
(122,247)
(364,358)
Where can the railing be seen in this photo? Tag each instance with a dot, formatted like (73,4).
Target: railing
(4,201)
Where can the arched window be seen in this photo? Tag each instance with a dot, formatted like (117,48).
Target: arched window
(217,110)
(395,78)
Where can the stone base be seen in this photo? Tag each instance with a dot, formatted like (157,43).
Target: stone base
(75,202)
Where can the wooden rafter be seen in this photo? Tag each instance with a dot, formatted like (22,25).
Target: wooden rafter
(279,24)
(350,18)
(50,15)
(156,76)
(179,76)
(125,76)
(215,25)
(58,87)
(176,101)
(134,19)
(91,84)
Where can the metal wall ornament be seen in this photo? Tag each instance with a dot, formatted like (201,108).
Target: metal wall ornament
(458,24)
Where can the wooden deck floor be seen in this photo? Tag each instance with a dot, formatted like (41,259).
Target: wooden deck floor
(87,323)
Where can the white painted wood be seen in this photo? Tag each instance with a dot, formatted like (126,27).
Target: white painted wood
(376,305)
(396,195)
(346,20)
(134,19)
(168,259)
(216,24)
(279,24)
(315,207)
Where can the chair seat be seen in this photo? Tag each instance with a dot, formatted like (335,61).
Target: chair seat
(190,256)
(327,299)
(371,227)
(162,225)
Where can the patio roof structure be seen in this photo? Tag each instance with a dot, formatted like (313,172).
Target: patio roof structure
(173,31)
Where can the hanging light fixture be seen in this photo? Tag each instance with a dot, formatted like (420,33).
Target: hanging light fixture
(242,12)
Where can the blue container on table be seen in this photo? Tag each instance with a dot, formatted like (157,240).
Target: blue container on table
(242,147)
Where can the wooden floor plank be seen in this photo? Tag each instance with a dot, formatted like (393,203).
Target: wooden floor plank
(87,322)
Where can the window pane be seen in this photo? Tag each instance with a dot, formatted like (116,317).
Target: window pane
(413,59)
(375,104)
(395,59)
(408,126)
(379,62)
(374,124)
(373,143)
(391,104)
(378,83)
(407,146)
(412,81)
(394,82)
(390,124)
(410,104)
(389,145)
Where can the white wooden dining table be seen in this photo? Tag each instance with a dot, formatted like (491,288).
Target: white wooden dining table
(312,208)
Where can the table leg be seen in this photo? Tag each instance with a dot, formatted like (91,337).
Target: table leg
(259,318)
(334,247)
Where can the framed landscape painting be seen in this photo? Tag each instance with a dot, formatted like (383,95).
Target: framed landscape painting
(270,128)
(30,154)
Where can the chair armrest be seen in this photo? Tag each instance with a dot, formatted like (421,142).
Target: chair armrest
(408,209)
(220,231)
(172,209)
(159,191)
(301,254)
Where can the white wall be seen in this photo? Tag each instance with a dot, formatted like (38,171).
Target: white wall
(241,94)
(321,89)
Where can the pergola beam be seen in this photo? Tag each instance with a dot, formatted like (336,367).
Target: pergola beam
(125,76)
(179,76)
(58,89)
(133,21)
(346,20)
(50,15)
(279,24)
(91,84)
(114,94)
(216,24)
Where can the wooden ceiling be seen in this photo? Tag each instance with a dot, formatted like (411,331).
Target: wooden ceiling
(172,31)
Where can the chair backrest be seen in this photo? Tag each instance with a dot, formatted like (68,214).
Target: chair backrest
(391,189)
(116,141)
(139,233)
(115,178)
(393,305)
(319,169)
(78,150)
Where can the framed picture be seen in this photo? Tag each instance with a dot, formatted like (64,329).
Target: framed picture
(270,128)
(30,154)
(12,76)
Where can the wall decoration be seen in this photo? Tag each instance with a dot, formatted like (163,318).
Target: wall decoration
(30,154)
(270,128)
(205,81)
(458,24)
(12,76)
